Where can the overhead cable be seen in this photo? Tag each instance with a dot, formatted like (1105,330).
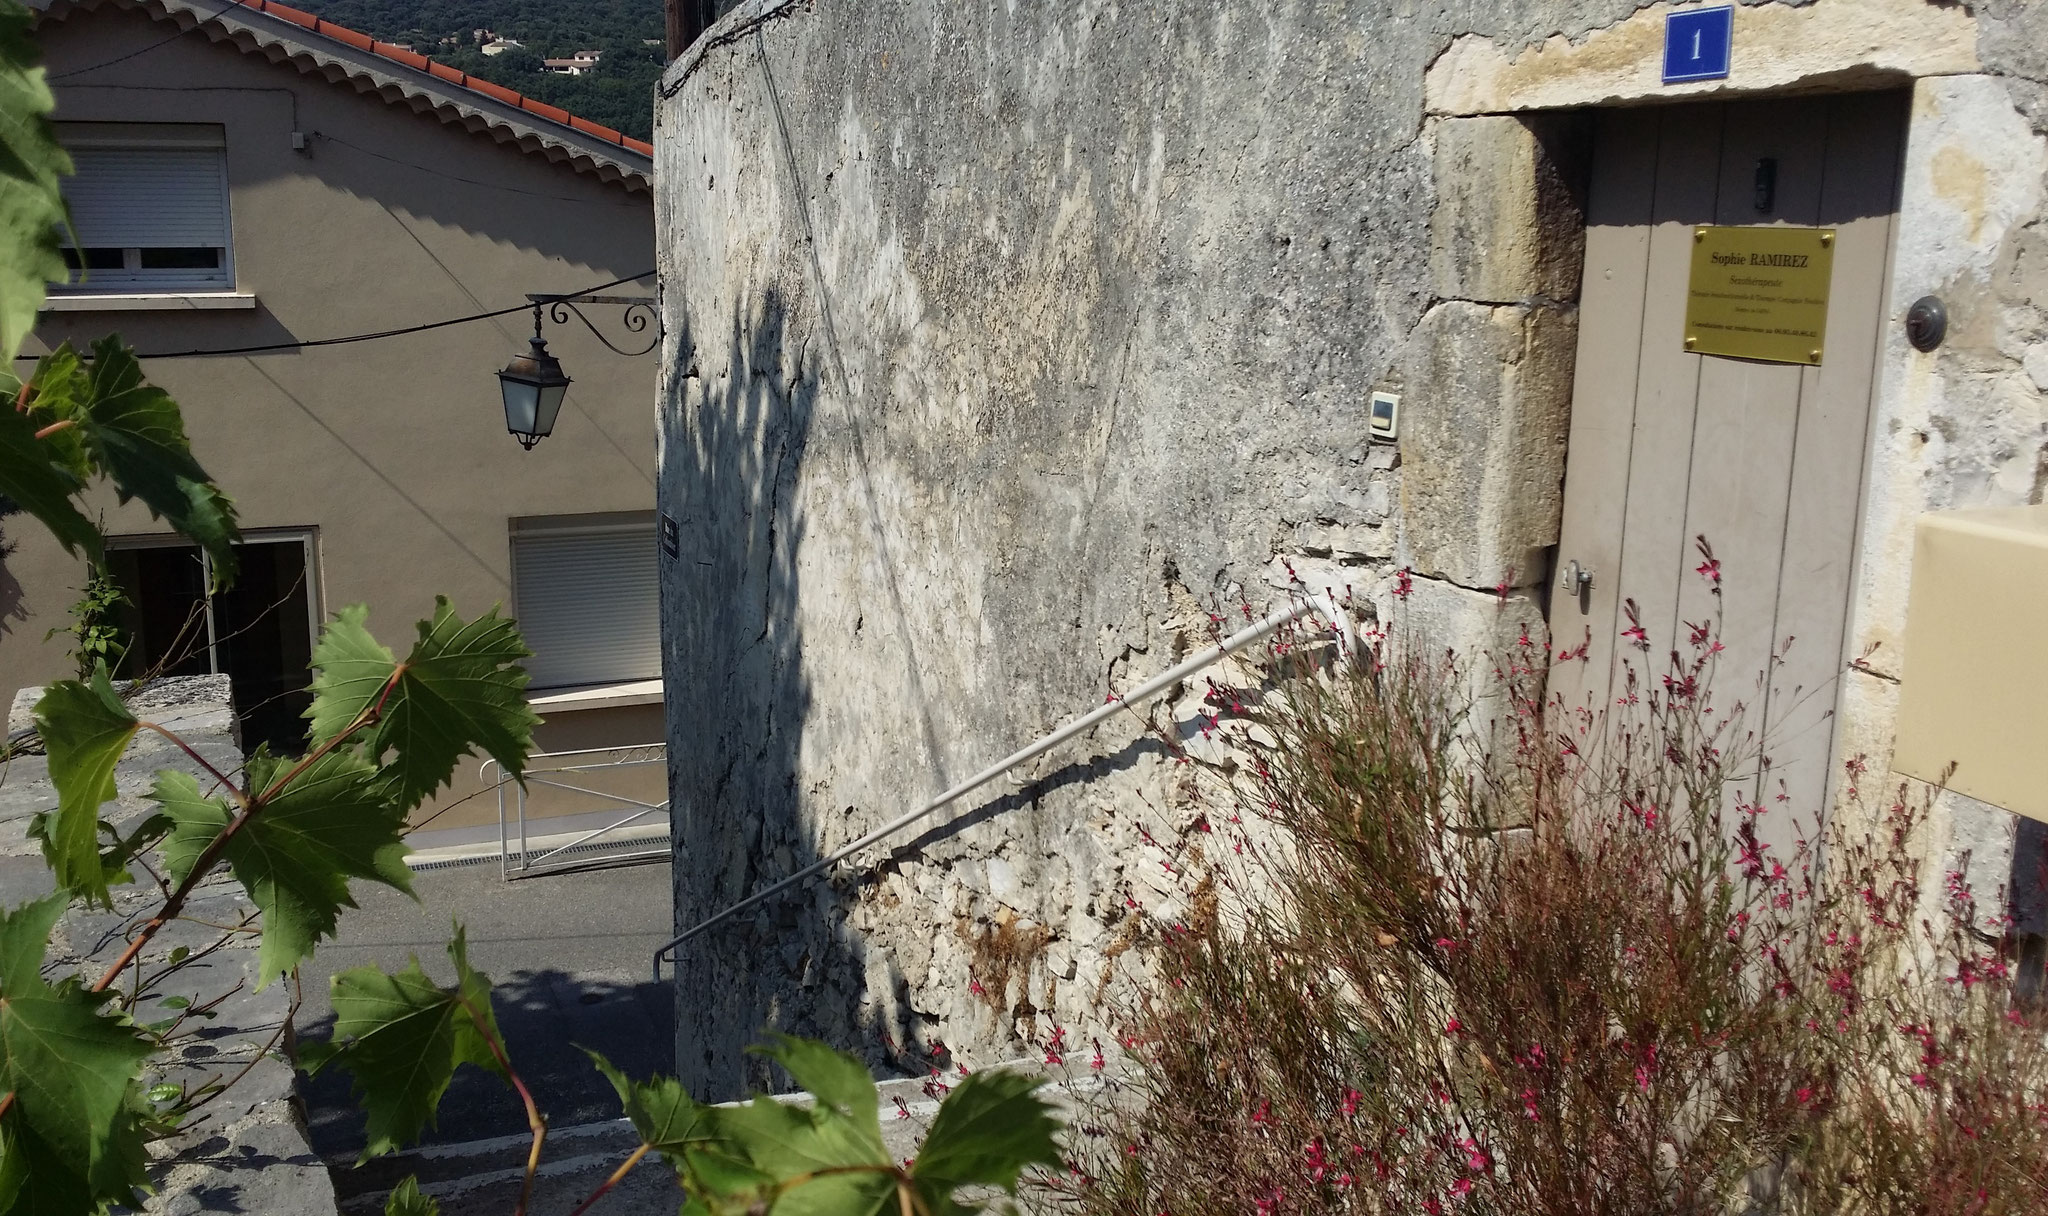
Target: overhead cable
(307,343)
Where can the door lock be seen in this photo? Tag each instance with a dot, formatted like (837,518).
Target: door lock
(1576,579)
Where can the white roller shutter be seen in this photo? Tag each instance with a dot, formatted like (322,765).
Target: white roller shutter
(149,198)
(587,605)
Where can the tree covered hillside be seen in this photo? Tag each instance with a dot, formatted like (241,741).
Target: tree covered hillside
(618,93)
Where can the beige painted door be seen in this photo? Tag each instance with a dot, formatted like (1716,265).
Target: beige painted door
(1763,459)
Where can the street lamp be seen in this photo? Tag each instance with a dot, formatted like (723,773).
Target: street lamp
(533,384)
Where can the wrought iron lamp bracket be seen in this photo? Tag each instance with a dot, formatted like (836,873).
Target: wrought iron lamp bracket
(638,314)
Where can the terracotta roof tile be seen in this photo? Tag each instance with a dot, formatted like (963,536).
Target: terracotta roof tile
(551,113)
(441,71)
(488,89)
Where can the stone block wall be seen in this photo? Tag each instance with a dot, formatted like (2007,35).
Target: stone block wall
(1007,345)
(248,1150)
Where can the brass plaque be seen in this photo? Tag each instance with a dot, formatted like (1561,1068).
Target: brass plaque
(1760,293)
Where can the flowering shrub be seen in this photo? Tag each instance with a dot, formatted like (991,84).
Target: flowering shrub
(1548,963)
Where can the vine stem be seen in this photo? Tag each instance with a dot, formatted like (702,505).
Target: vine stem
(298,995)
(6,1104)
(251,805)
(62,425)
(241,799)
(534,1119)
(612,1181)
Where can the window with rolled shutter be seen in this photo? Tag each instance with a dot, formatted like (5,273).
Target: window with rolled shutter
(586,601)
(148,214)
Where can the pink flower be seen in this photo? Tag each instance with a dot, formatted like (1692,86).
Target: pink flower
(1477,1159)
(1404,582)
(1453,1026)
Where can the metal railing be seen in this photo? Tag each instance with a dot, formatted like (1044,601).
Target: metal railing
(561,771)
(1324,605)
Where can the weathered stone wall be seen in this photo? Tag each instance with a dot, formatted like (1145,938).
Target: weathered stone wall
(247,1150)
(1008,341)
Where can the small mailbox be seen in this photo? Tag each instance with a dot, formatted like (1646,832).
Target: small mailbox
(1975,687)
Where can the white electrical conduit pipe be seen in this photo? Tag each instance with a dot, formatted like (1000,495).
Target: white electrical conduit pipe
(1325,605)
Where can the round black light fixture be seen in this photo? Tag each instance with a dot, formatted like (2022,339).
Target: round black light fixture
(1926,323)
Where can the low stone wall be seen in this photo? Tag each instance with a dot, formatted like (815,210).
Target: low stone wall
(246,1151)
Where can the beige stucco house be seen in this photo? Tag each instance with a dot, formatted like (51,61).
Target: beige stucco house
(254,182)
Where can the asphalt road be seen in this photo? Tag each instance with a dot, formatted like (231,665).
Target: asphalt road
(568,954)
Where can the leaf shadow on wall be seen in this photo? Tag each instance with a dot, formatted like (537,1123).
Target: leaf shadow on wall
(738,699)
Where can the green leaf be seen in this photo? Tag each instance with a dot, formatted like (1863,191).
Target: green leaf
(461,689)
(71,1141)
(834,1078)
(405,1200)
(401,1037)
(991,1127)
(667,1118)
(85,728)
(134,431)
(296,853)
(714,1176)
(164,1091)
(351,669)
(842,1130)
(31,161)
(31,475)
(59,391)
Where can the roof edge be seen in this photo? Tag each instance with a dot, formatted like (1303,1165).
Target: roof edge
(315,45)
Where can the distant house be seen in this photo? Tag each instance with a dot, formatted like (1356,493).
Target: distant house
(250,179)
(574,65)
(494,45)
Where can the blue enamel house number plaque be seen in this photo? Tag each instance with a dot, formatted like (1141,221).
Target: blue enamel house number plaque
(1697,43)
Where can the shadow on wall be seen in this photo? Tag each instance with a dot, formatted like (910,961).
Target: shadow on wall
(738,698)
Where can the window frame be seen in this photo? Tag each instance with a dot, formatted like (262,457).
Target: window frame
(307,537)
(639,524)
(133,279)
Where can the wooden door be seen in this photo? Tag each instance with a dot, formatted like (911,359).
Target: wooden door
(1763,459)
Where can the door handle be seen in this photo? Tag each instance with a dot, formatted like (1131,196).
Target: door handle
(1576,579)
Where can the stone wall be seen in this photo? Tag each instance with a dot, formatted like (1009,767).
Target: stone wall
(1009,343)
(246,1151)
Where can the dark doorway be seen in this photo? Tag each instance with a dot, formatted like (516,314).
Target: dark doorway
(259,632)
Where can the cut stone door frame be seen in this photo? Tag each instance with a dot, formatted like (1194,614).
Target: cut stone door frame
(1950,428)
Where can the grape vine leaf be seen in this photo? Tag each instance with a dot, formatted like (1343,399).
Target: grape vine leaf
(86,728)
(40,487)
(31,161)
(842,1130)
(71,1140)
(134,431)
(297,852)
(668,1119)
(58,392)
(990,1128)
(401,1037)
(405,1200)
(461,689)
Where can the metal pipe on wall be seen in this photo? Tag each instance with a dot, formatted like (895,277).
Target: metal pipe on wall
(1325,605)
